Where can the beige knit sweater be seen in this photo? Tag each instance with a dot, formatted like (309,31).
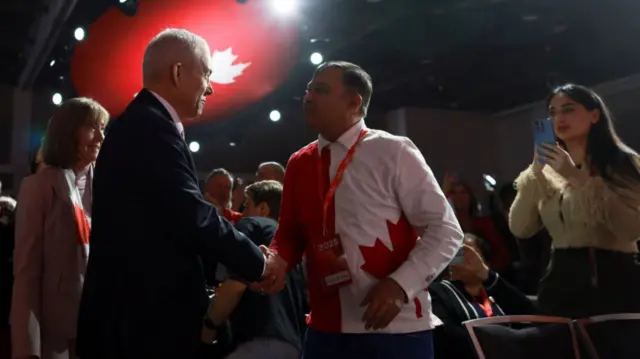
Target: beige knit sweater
(596,215)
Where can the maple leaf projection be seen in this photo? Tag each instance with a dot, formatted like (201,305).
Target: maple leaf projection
(224,71)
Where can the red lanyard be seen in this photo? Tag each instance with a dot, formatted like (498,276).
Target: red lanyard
(485,305)
(336,180)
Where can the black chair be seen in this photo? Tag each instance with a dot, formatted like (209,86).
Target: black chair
(523,337)
(611,336)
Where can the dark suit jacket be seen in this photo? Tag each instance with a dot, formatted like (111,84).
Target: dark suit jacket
(144,292)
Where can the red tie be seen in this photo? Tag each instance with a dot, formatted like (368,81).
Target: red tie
(331,210)
(326,164)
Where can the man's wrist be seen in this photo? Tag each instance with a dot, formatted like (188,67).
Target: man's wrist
(264,266)
(404,293)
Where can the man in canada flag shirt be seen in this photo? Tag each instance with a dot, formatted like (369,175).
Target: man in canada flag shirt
(376,229)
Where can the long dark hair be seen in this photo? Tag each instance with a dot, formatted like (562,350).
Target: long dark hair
(608,154)
(473,201)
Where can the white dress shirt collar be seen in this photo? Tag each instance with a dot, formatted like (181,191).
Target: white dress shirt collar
(168,107)
(347,139)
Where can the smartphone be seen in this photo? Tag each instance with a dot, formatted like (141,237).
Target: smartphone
(543,133)
(459,257)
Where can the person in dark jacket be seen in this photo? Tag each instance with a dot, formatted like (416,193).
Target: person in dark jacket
(471,291)
(262,326)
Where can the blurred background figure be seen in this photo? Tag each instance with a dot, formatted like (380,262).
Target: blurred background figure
(467,209)
(218,189)
(270,171)
(471,290)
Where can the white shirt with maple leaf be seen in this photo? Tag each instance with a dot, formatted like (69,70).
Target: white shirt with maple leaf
(393,221)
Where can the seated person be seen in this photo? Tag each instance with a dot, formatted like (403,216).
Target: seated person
(261,326)
(471,291)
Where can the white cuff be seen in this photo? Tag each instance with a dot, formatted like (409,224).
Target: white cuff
(410,280)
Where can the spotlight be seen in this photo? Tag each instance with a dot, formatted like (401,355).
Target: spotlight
(56,99)
(232,144)
(128,7)
(79,34)
(275,116)
(194,146)
(53,62)
(316,58)
(489,182)
(284,7)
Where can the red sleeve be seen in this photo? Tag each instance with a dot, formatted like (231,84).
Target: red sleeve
(288,241)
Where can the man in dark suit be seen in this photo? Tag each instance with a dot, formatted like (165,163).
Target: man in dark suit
(144,293)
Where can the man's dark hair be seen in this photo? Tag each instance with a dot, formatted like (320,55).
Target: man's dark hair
(269,192)
(219,171)
(354,78)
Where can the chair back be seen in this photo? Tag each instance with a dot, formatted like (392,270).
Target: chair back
(611,336)
(523,337)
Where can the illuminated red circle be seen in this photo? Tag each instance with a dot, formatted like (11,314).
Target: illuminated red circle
(106,66)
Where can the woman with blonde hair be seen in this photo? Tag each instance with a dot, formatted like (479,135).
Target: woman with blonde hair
(52,233)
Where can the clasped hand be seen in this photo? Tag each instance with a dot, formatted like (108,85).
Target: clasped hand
(273,279)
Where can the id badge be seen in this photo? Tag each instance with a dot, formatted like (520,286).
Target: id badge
(334,269)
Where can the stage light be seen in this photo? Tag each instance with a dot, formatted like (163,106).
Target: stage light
(232,144)
(489,182)
(79,34)
(128,7)
(194,146)
(56,99)
(53,62)
(316,58)
(284,7)
(275,116)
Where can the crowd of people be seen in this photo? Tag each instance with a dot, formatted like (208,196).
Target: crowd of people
(120,252)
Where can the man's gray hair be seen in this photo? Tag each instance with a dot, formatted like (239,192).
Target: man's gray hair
(217,172)
(169,47)
(272,164)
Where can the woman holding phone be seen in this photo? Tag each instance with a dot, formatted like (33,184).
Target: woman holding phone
(585,189)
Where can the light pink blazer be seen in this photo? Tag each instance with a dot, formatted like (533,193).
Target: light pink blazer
(49,265)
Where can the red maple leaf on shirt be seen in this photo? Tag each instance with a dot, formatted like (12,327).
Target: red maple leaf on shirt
(379,260)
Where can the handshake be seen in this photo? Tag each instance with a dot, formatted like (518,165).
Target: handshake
(273,278)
